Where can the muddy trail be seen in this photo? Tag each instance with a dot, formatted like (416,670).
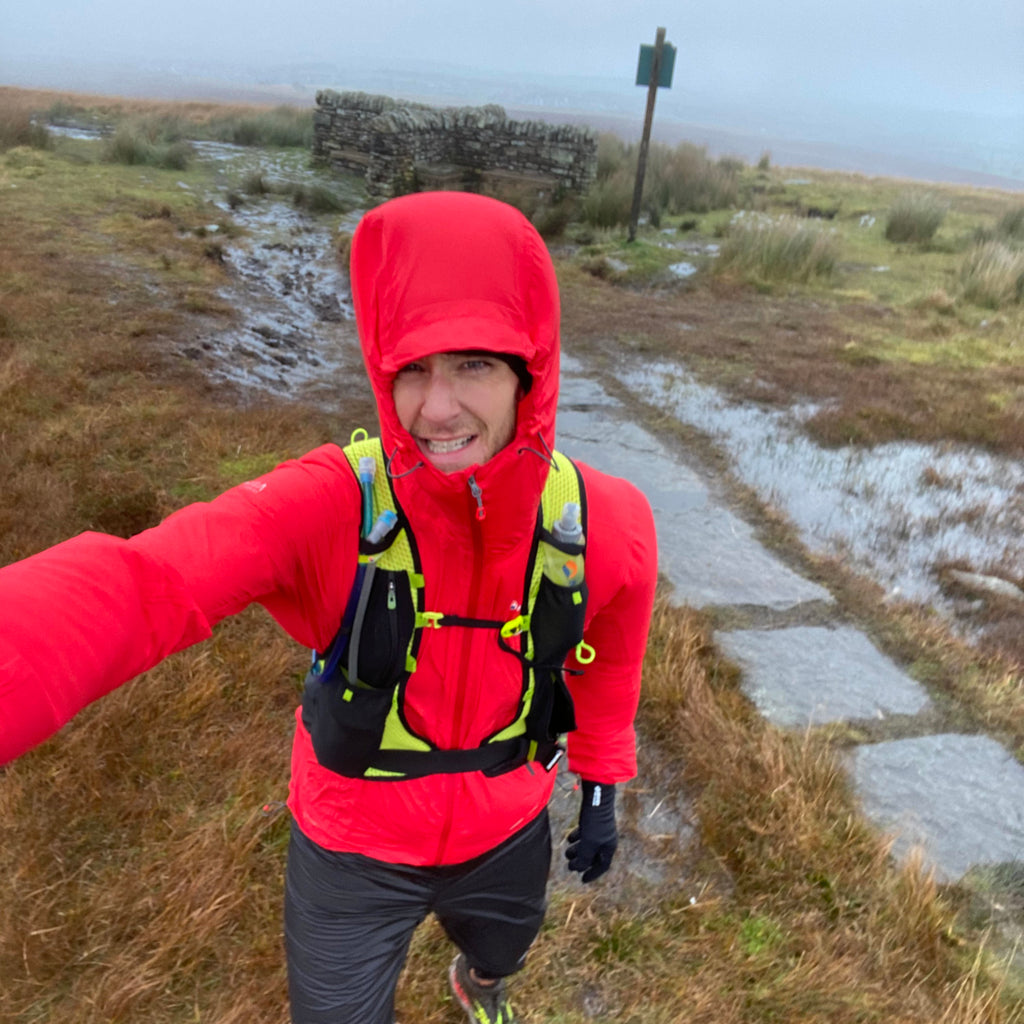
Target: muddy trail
(894,514)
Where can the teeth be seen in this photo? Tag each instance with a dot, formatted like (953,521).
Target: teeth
(442,447)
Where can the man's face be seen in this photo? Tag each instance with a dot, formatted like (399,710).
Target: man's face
(460,407)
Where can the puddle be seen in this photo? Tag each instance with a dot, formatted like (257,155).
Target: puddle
(895,512)
(682,270)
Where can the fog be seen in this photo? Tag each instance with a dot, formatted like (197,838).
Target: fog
(795,66)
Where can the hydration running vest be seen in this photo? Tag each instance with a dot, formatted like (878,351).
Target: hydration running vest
(352,702)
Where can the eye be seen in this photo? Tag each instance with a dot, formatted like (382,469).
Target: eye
(477,364)
(409,369)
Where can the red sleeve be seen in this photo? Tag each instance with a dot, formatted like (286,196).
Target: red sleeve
(87,615)
(622,572)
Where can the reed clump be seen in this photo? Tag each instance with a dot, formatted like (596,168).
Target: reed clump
(992,275)
(778,249)
(914,217)
(677,180)
(136,145)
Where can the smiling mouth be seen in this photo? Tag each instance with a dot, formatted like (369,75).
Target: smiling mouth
(435,447)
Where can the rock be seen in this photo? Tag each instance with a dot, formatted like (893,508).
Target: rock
(979,583)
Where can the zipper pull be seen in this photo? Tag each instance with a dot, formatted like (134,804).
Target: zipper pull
(478,494)
(392,601)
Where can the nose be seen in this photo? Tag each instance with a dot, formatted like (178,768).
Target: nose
(440,402)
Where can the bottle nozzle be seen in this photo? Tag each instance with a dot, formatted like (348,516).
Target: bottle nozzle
(385,521)
(367,468)
(569,525)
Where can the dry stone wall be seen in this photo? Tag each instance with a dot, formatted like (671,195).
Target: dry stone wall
(403,147)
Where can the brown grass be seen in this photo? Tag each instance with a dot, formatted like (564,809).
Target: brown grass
(16,102)
(139,881)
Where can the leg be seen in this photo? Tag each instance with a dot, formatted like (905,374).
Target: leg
(348,923)
(493,909)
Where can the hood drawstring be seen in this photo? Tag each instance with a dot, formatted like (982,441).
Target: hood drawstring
(398,476)
(478,494)
(547,455)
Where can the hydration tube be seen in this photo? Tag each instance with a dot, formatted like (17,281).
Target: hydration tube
(367,471)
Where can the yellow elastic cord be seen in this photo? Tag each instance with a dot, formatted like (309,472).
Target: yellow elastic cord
(585,654)
(359,434)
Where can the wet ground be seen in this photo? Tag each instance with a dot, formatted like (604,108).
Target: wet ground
(293,335)
(895,513)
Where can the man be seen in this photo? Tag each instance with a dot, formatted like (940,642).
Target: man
(457,309)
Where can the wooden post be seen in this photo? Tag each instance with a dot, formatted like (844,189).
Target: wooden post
(641,165)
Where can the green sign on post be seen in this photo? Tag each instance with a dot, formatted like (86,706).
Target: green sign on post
(655,71)
(665,68)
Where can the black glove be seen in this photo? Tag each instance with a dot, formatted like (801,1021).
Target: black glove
(592,845)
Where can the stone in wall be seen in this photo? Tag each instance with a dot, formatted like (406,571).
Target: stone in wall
(401,146)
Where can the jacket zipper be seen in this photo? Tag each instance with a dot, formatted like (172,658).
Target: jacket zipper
(475,583)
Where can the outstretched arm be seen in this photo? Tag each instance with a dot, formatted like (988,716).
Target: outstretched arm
(87,615)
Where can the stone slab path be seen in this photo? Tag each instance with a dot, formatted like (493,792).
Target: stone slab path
(958,798)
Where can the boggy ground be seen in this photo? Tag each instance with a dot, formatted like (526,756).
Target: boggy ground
(139,880)
(872,369)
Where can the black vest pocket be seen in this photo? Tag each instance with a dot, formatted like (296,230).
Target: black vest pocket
(556,622)
(387,629)
(556,626)
(346,718)
(345,723)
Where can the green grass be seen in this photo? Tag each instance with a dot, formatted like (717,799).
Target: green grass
(283,126)
(131,146)
(679,180)
(609,201)
(767,249)
(992,275)
(914,217)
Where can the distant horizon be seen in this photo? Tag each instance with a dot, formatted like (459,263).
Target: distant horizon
(920,143)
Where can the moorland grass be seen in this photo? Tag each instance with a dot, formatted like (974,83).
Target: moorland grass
(992,275)
(1010,225)
(132,146)
(914,217)
(139,880)
(679,180)
(608,202)
(282,125)
(778,249)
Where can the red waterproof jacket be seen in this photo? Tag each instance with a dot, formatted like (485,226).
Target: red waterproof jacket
(430,272)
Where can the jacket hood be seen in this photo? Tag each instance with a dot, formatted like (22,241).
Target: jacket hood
(452,271)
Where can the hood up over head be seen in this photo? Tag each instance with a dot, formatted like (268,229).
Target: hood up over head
(452,271)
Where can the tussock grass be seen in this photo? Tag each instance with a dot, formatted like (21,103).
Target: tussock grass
(133,146)
(686,179)
(1011,224)
(914,217)
(992,275)
(679,180)
(279,126)
(282,125)
(782,249)
(609,201)
(19,129)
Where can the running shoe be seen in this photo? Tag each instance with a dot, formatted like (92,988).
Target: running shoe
(484,1004)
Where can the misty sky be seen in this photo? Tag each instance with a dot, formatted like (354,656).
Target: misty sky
(930,53)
